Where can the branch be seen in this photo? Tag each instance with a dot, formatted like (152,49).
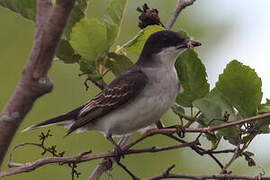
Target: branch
(34,82)
(26,167)
(179,7)
(213,128)
(30,166)
(204,177)
(107,163)
(167,175)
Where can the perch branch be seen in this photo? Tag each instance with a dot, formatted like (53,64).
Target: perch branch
(168,175)
(26,167)
(30,166)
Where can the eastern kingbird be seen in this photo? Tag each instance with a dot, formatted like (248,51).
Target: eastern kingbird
(135,99)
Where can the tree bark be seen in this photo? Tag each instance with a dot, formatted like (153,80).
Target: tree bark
(35,83)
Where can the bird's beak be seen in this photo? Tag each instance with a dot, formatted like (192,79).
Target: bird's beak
(189,44)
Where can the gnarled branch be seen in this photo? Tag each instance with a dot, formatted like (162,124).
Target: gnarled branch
(35,83)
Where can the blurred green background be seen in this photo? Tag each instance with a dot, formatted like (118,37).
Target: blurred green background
(214,23)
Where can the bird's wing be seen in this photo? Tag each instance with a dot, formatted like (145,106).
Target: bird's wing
(123,89)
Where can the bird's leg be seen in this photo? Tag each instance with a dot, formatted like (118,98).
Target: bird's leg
(159,124)
(117,148)
(180,130)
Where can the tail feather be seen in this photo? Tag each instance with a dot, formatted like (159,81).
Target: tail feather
(66,117)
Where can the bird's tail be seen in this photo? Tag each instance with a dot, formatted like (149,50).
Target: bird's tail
(61,120)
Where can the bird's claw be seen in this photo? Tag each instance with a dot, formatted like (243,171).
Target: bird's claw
(180,131)
(119,153)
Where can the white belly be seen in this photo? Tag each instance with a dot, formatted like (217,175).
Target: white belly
(148,107)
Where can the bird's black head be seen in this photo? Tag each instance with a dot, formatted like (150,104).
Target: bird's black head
(163,40)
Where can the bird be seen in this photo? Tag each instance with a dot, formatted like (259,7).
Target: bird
(135,99)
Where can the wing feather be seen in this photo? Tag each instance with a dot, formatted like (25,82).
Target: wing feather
(120,91)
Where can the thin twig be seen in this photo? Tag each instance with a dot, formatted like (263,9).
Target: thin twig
(182,4)
(204,177)
(168,175)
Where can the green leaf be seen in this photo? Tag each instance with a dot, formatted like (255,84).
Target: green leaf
(112,32)
(241,86)
(118,63)
(65,52)
(113,19)
(89,38)
(87,67)
(192,75)
(177,109)
(263,124)
(213,138)
(183,34)
(136,44)
(77,13)
(264,108)
(26,8)
(115,11)
(215,106)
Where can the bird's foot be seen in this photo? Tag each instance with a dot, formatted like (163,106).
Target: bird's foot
(119,153)
(117,149)
(180,130)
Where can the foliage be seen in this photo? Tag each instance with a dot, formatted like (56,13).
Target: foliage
(241,86)
(26,8)
(192,76)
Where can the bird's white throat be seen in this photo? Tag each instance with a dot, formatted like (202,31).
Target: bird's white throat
(168,56)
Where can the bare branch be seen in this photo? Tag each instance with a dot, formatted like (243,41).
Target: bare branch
(234,157)
(104,166)
(107,163)
(30,166)
(182,4)
(204,177)
(168,175)
(34,82)
(126,148)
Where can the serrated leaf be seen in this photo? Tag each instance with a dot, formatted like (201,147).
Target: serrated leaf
(26,8)
(115,11)
(136,44)
(241,86)
(192,75)
(215,106)
(118,63)
(65,52)
(77,13)
(89,38)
